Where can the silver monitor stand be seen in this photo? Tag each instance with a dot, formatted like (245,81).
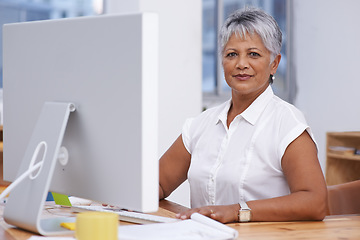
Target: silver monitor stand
(25,204)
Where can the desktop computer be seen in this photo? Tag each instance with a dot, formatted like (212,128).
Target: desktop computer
(80,103)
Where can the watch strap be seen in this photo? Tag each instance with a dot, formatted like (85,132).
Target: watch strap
(244,206)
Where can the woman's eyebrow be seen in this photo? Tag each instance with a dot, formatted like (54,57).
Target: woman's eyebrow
(255,48)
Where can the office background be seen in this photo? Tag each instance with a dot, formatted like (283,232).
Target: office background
(319,72)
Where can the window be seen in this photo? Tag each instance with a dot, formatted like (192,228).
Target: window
(31,10)
(214,88)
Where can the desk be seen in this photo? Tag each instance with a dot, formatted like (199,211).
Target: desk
(8,232)
(333,227)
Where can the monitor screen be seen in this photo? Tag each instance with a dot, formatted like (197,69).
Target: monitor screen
(107,67)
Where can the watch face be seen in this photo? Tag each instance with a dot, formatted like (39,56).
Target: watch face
(245,216)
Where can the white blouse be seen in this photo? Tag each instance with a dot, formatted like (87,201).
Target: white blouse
(242,162)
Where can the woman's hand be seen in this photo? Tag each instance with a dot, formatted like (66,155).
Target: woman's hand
(221,213)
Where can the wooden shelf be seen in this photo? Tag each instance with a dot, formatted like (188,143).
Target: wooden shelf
(344,134)
(345,157)
(343,166)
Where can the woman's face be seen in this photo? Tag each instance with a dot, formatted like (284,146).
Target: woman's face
(247,67)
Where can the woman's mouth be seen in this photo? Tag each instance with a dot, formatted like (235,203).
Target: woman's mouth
(242,77)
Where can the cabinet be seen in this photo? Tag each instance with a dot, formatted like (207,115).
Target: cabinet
(342,157)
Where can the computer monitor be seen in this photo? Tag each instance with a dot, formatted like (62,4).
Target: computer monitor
(104,67)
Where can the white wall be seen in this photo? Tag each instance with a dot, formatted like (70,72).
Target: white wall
(180,66)
(327,65)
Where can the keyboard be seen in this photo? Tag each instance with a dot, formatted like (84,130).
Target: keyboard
(133,217)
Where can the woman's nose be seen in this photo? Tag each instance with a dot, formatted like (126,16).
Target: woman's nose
(242,63)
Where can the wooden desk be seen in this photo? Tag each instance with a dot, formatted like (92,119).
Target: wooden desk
(8,232)
(333,227)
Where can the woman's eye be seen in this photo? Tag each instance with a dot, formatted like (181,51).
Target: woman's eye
(254,54)
(232,54)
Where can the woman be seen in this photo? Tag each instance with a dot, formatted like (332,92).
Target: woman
(254,157)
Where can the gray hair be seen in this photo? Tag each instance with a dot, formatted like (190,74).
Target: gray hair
(252,20)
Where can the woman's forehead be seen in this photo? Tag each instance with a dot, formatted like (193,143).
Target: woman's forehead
(248,37)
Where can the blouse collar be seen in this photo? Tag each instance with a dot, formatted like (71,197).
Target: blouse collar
(253,112)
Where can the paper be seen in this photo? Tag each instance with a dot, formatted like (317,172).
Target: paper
(61,199)
(214,224)
(50,238)
(68,225)
(199,227)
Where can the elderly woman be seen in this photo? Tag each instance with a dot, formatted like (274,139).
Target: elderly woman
(254,157)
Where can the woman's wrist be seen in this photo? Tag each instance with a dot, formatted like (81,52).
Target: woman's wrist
(236,212)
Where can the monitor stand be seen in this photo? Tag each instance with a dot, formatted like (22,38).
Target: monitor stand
(25,203)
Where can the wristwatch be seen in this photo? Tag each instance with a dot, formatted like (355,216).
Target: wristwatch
(244,212)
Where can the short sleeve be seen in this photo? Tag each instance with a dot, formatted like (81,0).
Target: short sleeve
(290,137)
(186,137)
(299,127)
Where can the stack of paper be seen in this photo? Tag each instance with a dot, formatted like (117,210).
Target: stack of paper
(198,227)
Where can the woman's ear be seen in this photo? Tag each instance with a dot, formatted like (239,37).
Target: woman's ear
(275,64)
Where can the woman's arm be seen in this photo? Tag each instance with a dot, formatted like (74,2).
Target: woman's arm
(308,197)
(173,168)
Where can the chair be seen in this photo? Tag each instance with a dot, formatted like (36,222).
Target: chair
(344,198)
